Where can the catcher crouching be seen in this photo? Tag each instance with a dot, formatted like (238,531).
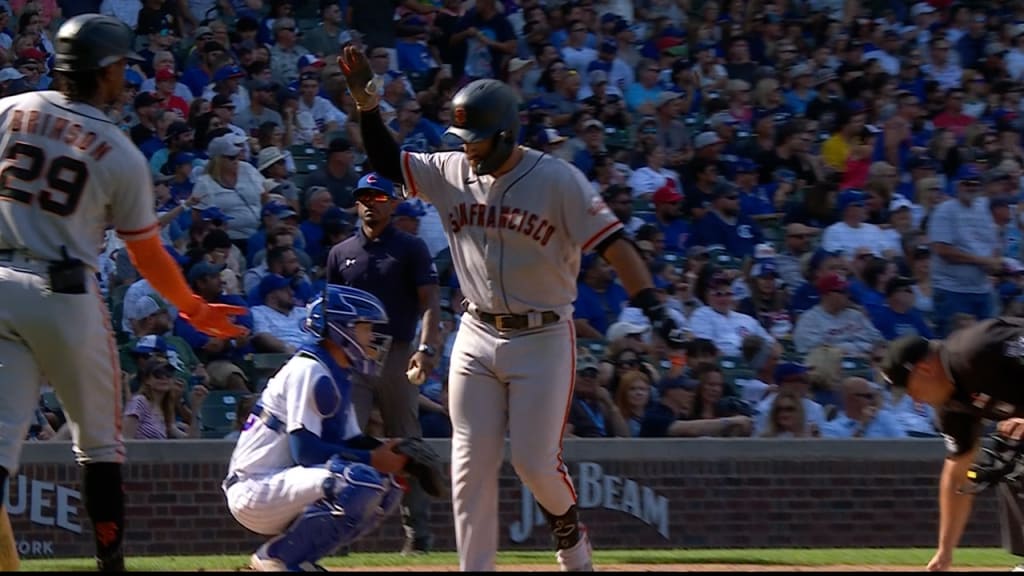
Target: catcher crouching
(974,375)
(302,471)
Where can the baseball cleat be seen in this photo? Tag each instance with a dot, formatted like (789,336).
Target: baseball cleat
(262,561)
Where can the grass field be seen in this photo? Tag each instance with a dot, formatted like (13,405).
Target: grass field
(968,557)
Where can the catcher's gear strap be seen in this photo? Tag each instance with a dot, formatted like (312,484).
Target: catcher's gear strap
(164,274)
(999,460)
(381,148)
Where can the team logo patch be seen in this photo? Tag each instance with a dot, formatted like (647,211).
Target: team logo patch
(371,179)
(460,116)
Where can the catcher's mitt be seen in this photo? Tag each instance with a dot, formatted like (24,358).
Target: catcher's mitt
(999,460)
(424,464)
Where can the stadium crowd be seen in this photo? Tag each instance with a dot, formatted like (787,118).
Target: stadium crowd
(807,180)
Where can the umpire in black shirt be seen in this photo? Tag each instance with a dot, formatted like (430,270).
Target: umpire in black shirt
(396,268)
(976,374)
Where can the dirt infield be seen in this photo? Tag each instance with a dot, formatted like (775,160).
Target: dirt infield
(677,568)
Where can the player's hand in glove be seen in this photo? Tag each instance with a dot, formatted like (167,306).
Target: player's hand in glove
(663,324)
(358,76)
(215,319)
(424,464)
(386,459)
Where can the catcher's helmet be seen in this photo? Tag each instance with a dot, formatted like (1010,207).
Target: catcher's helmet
(334,316)
(92,41)
(487,109)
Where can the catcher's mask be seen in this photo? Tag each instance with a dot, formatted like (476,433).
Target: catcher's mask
(487,110)
(347,316)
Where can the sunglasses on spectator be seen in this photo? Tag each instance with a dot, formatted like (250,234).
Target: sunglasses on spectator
(786,408)
(722,293)
(865,395)
(588,373)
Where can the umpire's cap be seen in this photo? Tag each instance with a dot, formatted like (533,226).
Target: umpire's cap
(901,357)
(93,41)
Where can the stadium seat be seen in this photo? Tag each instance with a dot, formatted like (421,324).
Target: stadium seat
(219,412)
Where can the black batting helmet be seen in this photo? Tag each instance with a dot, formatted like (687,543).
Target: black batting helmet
(93,41)
(487,110)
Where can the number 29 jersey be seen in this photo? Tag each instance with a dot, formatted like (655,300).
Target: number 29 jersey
(66,173)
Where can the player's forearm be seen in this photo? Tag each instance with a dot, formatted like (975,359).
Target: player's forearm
(430,306)
(308,449)
(629,265)
(164,274)
(954,509)
(380,145)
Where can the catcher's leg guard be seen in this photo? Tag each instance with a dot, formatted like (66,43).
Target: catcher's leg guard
(388,504)
(354,495)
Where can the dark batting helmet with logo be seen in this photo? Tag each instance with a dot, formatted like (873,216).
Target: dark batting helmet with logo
(487,110)
(92,41)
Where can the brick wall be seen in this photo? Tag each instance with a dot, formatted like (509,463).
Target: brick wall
(682,495)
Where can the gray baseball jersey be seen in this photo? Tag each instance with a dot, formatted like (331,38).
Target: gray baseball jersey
(66,173)
(516,240)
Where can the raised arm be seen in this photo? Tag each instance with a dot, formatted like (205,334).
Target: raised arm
(380,145)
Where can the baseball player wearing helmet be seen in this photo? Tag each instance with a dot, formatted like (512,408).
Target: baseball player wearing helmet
(518,222)
(67,173)
(302,472)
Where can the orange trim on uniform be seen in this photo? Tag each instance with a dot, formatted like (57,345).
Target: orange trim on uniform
(140,231)
(568,407)
(601,234)
(115,365)
(411,184)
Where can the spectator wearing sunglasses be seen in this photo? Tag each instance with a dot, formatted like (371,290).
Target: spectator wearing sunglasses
(796,245)
(863,414)
(718,322)
(233,186)
(286,51)
(834,322)
(593,413)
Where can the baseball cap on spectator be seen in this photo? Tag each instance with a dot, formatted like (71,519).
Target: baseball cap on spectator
(831,282)
(585,362)
(798,229)
(705,139)
(595,77)
(177,128)
(228,71)
(310,60)
(338,145)
(145,99)
(517,64)
(745,166)
(226,145)
(824,76)
(155,367)
(204,31)
(375,183)
(151,342)
(680,382)
(165,74)
(968,174)
(30,55)
(138,309)
(766,268)
(268,157)
(900,203)
(788,370)
(850,197)
(898,283)
(666,97)
(922,8)
(921,161)
(799,70)
(131,77)
(623,329)
(409,210)
(719,118)
(204,269)
(546,136)
(9,73)
(214,213)
(180,158)
(593,123)
(270,283)
(620,26)
(667,194)
(283,23)
(277,209)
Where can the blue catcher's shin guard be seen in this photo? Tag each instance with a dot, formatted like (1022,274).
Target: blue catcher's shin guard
(389,503)
(351,499)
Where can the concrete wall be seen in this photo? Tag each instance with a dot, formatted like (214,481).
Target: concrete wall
(707,493)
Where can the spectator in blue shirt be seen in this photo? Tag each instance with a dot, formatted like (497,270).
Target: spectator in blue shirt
(414,132)
(198,77)
(222,357)
(667,216)
(898,317)
(725,225)
(599,299)
(754,198)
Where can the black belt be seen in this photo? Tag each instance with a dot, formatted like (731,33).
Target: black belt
(506,322)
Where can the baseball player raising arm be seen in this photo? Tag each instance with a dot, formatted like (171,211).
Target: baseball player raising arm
(66,172)
(517,221)
(302,472)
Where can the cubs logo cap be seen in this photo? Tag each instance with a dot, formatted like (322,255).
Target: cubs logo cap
(374,182)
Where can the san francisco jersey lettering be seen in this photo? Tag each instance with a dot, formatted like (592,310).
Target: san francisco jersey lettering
(516,240)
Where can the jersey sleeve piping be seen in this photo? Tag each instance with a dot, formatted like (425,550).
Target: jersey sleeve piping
(602,234)
(139,234)
(407,173)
